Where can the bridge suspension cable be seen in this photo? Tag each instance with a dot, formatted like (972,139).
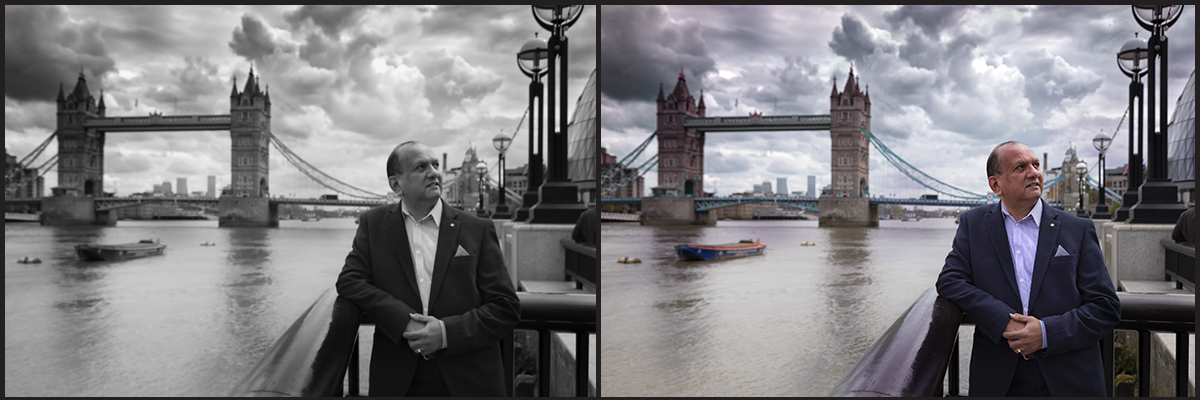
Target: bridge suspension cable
(614,172)
(918,175)
(321,177)
(629,179)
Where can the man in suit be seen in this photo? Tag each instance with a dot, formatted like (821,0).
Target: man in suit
(433,281)
(1033,281)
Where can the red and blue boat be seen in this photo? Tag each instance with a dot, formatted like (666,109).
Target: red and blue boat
(703,252)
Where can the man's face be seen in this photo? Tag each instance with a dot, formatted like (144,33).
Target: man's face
(420,174)
(1020,178)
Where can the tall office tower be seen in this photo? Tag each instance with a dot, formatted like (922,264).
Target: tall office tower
(766,187)
(781,186)
(212,186)
(812,186)
(181,186)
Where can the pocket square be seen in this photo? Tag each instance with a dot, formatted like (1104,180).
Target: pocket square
(463,252)
(1061,252)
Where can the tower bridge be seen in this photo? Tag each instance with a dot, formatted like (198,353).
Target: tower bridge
(682,126)
(82,127)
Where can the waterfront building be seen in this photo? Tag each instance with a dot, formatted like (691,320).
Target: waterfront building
(21,182)
(766,188)
(633,189)
(582,146)
(781,186)
(1181,146)
(212,186)
(166,189)
(812,186)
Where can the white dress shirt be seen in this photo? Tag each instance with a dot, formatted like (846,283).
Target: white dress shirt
(1022,244)
(422,242)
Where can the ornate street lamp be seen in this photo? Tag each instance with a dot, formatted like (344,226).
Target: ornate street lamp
(501,143)
(1101,143)
(481,170)
(1081,170)
(1159,202)
(559,197)
(532,62)
(1132,61)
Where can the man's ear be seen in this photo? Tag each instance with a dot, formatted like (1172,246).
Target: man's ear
(394,184)
(994,184)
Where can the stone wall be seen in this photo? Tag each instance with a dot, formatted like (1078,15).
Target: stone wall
(673,211)
(68,211)
(847,212)
(247,212)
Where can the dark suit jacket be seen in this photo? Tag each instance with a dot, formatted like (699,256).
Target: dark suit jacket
(473,295)
(1071,294)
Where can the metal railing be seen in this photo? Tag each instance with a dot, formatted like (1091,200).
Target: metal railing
(580,264)
(1180,264)
(319,352)
(915,355)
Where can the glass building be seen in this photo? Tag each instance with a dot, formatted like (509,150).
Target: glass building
(1181,142)
(581,134)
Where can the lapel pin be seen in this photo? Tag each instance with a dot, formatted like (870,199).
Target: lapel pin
(1051,224)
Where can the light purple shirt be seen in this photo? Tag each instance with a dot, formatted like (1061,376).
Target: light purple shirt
(1022,245)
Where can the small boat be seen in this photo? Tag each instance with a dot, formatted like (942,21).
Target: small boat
(808,244)
(701,252)
(629,260)
(117,252)
(208,244)
(29,260)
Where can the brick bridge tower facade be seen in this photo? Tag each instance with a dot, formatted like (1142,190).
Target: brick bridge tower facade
(80,150)
(250,129)
(680,150)
(848,201)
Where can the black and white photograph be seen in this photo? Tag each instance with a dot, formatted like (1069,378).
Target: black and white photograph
(301,200)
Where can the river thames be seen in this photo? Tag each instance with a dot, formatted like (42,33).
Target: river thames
(789,323)
(189,323)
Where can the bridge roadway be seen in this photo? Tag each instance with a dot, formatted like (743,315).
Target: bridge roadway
(765,123)
(113,203)
(159,123)
(709,203)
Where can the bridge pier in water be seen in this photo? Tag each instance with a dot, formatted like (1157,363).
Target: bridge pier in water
(74,211)
(847,212)
(665,210)
(247,212)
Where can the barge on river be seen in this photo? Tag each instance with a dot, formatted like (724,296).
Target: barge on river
(702,252)
(117,252)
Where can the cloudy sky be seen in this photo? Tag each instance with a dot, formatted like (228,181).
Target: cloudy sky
(347,82)
(947,83)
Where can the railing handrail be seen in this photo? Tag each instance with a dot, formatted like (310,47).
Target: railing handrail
(579,248)
(311,358)
(1171,245)
(912,356)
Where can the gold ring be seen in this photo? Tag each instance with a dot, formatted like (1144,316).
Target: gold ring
(419,351)
(1018,351)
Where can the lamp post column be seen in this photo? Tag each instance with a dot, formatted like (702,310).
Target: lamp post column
(1159,203)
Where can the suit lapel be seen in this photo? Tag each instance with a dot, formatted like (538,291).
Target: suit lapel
(1000,242)
(399,235)
(1047,237)
(447,238)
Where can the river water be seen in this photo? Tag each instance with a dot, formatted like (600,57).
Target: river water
(189,323)
(789,323)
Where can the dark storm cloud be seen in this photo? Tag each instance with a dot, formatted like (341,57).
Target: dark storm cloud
(632,66)
(252,39)
(332,19)
(931,19)
(43,47)
(852,39)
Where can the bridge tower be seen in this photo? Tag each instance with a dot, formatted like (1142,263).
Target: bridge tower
(248,202)
(80,150)
(680,150)
(848,203)
(250,127)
